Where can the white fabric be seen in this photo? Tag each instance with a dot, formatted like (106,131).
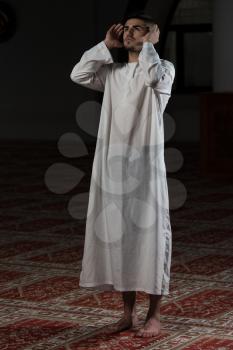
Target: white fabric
(128,237)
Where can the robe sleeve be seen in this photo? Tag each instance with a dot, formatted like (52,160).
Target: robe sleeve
(159,74)
(93,67)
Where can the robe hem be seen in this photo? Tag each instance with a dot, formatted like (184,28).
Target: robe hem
(110,287)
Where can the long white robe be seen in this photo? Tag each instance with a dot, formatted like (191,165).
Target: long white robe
(128,238)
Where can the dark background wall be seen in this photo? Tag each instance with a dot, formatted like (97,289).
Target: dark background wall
(38,99)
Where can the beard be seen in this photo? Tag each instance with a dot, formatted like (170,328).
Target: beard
(135,48)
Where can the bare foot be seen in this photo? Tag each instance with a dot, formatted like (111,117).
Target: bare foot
(151,328)
(126,322)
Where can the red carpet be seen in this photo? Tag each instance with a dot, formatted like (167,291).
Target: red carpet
(41,305)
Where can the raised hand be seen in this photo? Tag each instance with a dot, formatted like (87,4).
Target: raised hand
(112,39)
(152,35)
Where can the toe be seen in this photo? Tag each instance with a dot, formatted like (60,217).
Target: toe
(146,334)
(139,333)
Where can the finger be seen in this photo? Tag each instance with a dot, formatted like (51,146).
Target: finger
(118,26)
(114,25)
(112,28)
(119,30)
(151,28)
(154,28)
(113,31)
(120,33)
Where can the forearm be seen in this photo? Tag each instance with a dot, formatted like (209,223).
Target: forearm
(155,71)
(92,60)
(150,63)
(85,72)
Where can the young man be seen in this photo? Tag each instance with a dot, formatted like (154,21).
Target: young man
(128,233)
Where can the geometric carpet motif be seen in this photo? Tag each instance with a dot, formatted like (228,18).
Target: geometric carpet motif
(41,248)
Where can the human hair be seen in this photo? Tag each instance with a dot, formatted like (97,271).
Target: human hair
(140,15)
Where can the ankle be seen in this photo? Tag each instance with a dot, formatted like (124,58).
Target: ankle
(155,317)
(151,314)
(129,314)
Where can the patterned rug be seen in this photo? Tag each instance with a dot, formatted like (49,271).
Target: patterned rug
(41,245)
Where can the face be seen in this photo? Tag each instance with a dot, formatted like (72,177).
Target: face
(134,30)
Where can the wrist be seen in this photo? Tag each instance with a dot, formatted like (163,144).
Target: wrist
(107,44)
(147,41)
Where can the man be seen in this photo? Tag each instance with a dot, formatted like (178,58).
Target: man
(128,234)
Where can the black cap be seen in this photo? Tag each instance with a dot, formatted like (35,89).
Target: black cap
(139,14)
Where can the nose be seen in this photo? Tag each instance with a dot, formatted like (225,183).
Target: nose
(130,33)
(131,30)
